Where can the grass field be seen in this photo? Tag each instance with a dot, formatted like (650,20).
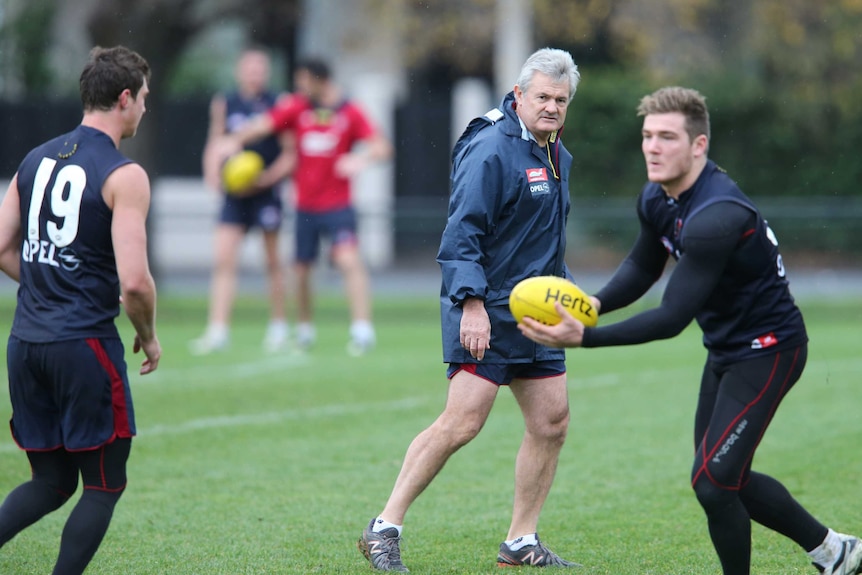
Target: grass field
(248,463)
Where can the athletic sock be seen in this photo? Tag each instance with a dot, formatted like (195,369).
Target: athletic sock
(217,331)
(382,524)
(25,505)
(827,552)
(522,541)
(362,330)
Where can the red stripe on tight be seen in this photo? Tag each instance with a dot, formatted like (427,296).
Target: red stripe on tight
(707,456)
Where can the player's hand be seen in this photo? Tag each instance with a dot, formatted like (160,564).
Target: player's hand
(153,352)
(475,328)
(348,165)
(568,333)
(224,147)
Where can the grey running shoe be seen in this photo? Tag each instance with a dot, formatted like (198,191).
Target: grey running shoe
(532,556)
(381,549)
(849,561)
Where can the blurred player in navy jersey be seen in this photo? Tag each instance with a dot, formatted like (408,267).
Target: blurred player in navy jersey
(730,277)
(334,140)
(73,233)
(258,207)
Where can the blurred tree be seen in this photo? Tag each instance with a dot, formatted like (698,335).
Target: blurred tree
(450,36)
(23,35)
(162,29)
(583,27)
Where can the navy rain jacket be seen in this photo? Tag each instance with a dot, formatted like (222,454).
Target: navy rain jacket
(506,223)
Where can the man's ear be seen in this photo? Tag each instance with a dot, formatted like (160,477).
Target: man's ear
(125,98)
(701,145)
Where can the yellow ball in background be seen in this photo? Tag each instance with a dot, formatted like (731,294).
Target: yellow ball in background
(241,170)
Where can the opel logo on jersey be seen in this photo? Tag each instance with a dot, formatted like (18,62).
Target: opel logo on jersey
(69,260)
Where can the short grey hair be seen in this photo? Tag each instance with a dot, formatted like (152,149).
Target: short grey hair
(554,63)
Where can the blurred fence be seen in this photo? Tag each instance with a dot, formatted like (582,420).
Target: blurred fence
(813,232)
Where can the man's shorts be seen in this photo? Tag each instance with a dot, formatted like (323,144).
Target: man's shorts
(504,373)
(263,210)
(338,225)
(73,394)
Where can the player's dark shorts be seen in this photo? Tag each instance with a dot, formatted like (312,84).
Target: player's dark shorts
(263,210)
(338,225)
(504,373)
(73,394)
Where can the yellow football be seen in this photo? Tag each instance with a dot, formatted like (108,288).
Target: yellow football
(241,170)
(535,298)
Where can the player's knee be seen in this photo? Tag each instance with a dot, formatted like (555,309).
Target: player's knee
(552,429)
(107,498)
(457,431)
(61,491)
(57,474)
(713,496)
(346,257)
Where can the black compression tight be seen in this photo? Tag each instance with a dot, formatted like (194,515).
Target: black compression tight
(54,480)
(736,404)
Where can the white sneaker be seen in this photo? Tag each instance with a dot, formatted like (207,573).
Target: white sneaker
(210,342)
(849,561)
(276,336)
(305,336)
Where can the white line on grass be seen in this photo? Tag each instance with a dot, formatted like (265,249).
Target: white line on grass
(339,409)
(209,373)
(267,418)
(320,412)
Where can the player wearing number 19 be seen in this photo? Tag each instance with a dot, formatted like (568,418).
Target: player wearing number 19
(730,277)
(72,232)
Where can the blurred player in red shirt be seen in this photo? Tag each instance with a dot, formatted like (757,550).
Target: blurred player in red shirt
(327,128)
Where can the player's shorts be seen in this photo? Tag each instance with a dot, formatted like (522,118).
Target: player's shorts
(504,373)
(338,225)
(263,210)
(73,394)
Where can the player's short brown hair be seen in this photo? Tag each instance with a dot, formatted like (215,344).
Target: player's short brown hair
(108,72)
(690,103)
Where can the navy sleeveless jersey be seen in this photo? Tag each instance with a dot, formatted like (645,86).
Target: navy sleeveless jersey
(69,285)
(751,307)
(239,111)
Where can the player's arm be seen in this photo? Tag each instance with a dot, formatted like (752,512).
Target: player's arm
(373,146)
(256,128)
(472,208)
(637,273)
(283,165)
(127,193)
(217,128)
(710,239)
(375,149)
(10,231)
(471,214)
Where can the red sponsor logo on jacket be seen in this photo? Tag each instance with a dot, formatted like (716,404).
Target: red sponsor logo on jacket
(537,175)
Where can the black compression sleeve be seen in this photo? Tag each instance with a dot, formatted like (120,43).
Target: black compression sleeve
(709,239)
(642,267)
